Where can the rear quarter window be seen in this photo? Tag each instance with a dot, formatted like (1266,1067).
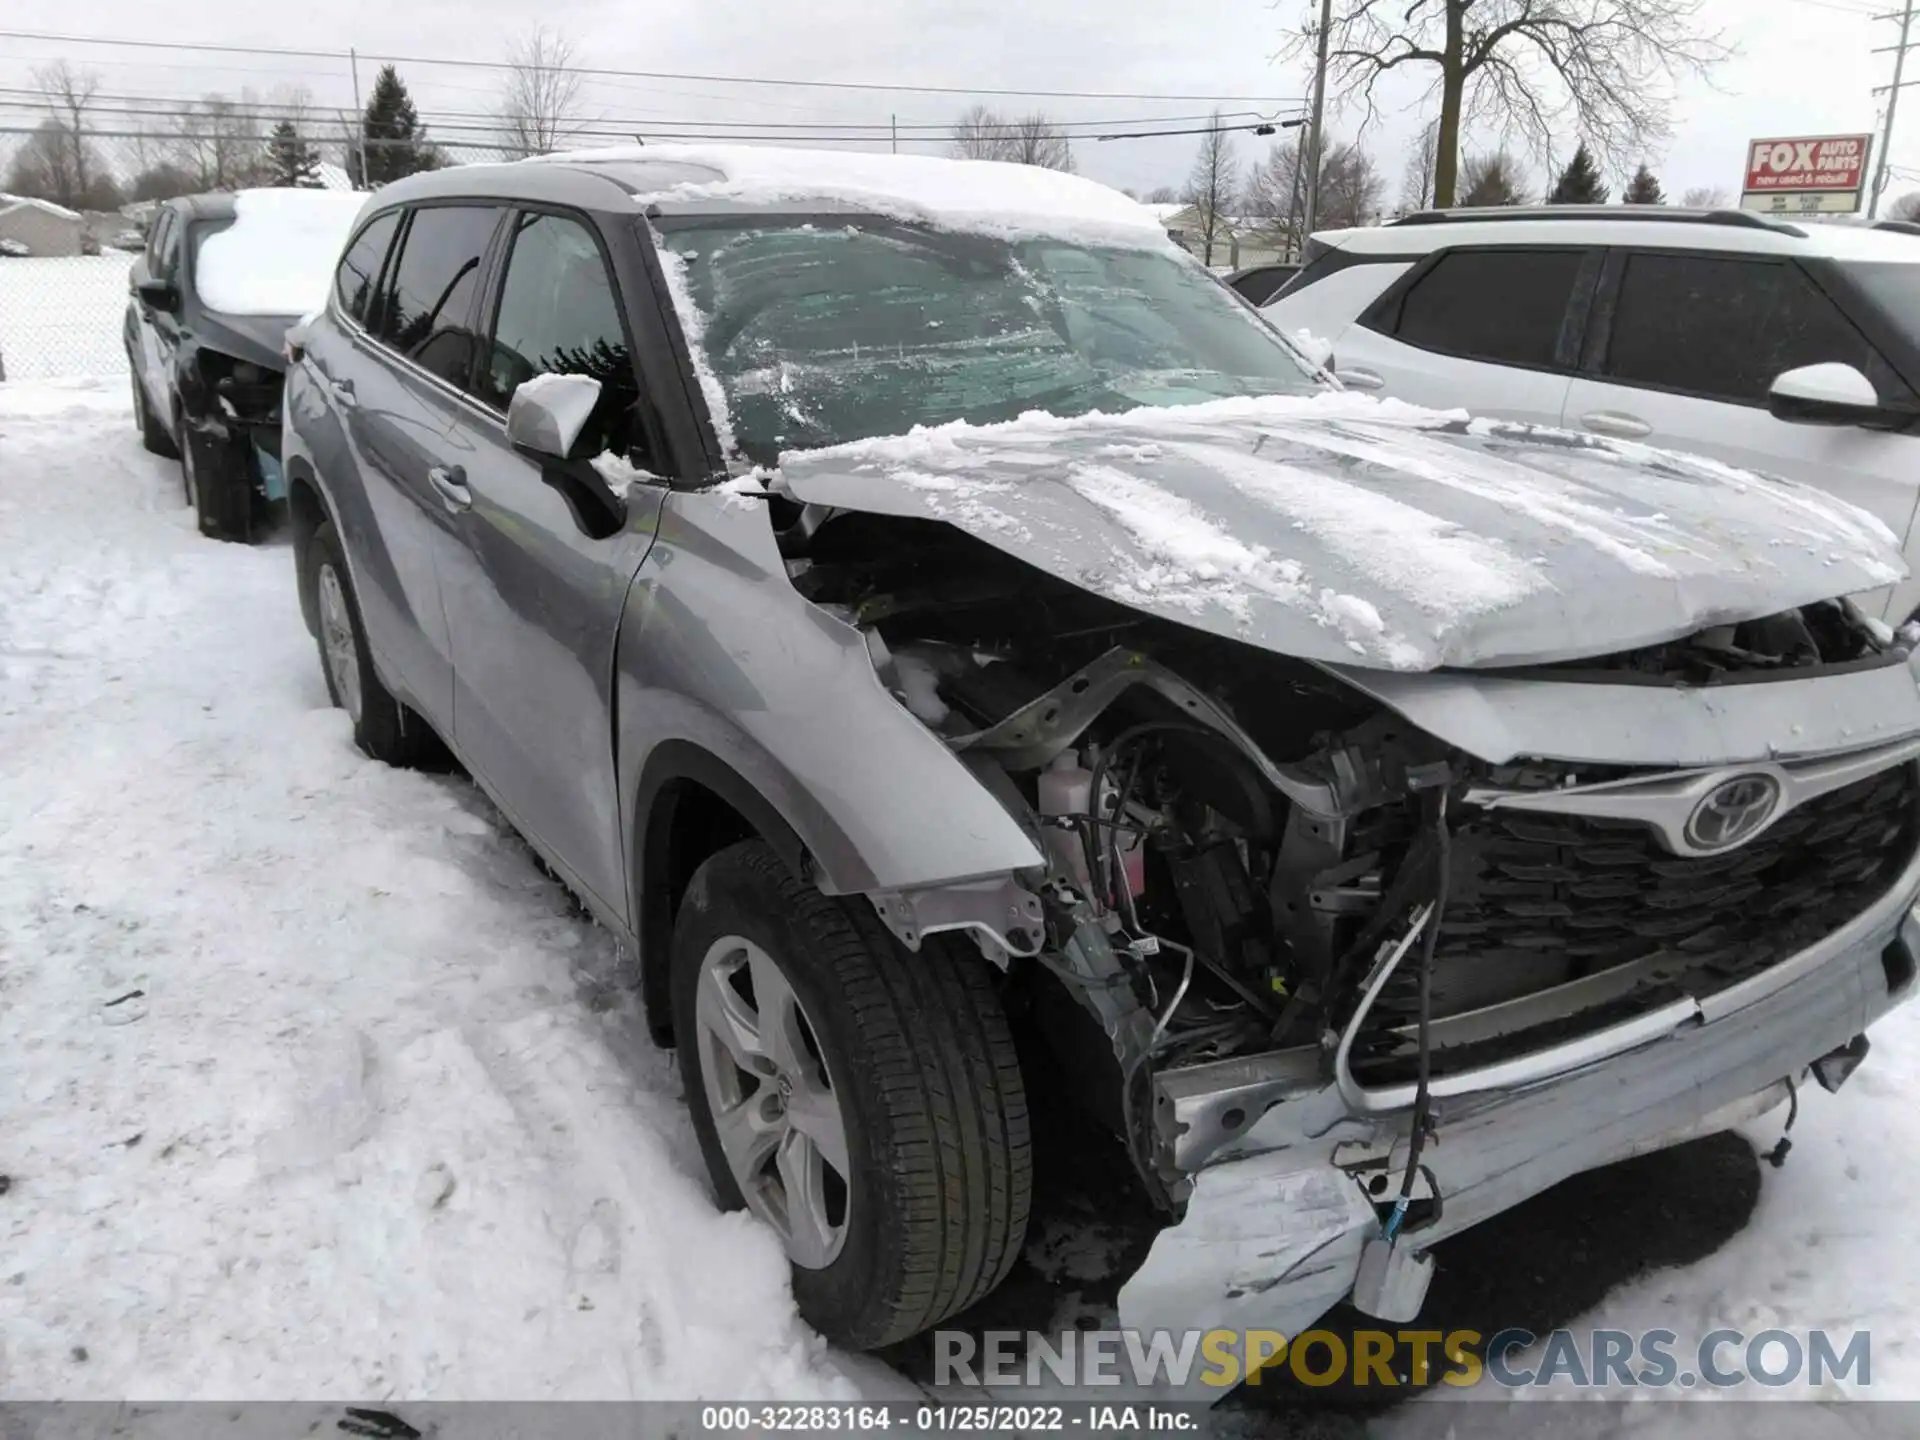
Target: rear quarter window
(1506,307)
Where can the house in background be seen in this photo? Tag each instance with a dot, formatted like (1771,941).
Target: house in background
(1238,240)
(42,226)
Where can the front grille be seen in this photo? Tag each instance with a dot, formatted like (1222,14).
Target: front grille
(1538,900)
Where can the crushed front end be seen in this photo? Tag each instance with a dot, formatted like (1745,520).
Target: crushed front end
(1350,960)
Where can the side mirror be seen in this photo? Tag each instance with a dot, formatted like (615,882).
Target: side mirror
(548,412)
(1830,394)
(160,294)
(544,421)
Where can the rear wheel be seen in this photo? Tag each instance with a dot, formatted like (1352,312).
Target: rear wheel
(382,726)
(864,1102)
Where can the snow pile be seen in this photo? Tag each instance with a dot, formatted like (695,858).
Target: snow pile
(1316,348)
(310,1083)
(980,196)
(279,255)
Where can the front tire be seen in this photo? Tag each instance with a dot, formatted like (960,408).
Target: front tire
(383,727)
(222,501)
(153,434)
(865,1102)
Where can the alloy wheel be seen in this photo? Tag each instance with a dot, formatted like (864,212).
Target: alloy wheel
(773,1103)
(336,639)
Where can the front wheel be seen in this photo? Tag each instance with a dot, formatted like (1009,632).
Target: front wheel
(153,434)
(220,492)
(866,1103)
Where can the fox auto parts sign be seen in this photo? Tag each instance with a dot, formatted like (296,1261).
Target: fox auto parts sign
(1808,173)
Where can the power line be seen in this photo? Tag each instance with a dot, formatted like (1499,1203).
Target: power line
(176,106)
(589,70)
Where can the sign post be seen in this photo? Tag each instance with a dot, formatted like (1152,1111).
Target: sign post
(1806,175)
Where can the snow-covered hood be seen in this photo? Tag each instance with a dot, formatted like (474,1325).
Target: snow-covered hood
(1348,530)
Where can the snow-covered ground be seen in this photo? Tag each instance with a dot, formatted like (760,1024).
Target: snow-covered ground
(300,1090)
(312,1085)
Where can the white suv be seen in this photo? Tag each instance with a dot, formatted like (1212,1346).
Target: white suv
(1782,347)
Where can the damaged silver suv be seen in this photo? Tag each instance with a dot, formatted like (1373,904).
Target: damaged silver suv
(899,595)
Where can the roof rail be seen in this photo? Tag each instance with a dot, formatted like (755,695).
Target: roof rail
(1672,215)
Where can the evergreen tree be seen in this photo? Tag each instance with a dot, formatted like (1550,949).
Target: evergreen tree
(1579,183)
(396,141)
(291,162)
(1643,189)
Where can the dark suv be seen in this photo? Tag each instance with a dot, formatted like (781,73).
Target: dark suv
(977,664)
(205,336)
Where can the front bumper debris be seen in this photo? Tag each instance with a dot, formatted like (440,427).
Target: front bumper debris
(1280,1219)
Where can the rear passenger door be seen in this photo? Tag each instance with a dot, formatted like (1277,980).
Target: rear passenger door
(1686,346)
(1494,330)
(533,599)
(395,386)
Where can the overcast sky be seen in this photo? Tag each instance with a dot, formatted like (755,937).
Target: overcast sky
(1803,66)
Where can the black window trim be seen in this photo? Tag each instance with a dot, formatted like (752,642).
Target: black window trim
(361,335)
(1595,354)
(1382,315)
(1328,260)
(493,285)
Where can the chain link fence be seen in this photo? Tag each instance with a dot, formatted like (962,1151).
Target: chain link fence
(74,219)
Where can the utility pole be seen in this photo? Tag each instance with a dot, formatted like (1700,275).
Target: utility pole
(1319,111)
(894,121)
(1893,102)
(359,118)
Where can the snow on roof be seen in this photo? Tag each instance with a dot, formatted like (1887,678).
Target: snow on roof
(982,196)
(278,256)
(15,202)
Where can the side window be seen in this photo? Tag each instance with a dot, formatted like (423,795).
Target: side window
(166,245)
(560,315)
(359,269)
(1504,306)
(1762,317)
(425,310)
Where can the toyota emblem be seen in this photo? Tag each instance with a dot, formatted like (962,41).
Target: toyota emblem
(1733,811)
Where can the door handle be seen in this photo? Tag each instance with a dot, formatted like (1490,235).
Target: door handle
(1360,379)
(451,483)
(1612,422)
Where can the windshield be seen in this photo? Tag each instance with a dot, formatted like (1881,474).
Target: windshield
(823,331)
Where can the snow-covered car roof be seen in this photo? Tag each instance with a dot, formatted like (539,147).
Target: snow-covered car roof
(978,196)
(278,255)
(1674,228)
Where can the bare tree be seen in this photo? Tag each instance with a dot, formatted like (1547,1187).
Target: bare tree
(1032,139)
(1211,187)
(1351,192)
(1704,197)
(51,166)
(540,98)
(220,140)
(978,134)
(1163,195)
(1536,68)
(1416,177)
(69,94)
(1494,179)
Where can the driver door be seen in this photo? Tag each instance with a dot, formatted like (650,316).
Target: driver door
(1687,345)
